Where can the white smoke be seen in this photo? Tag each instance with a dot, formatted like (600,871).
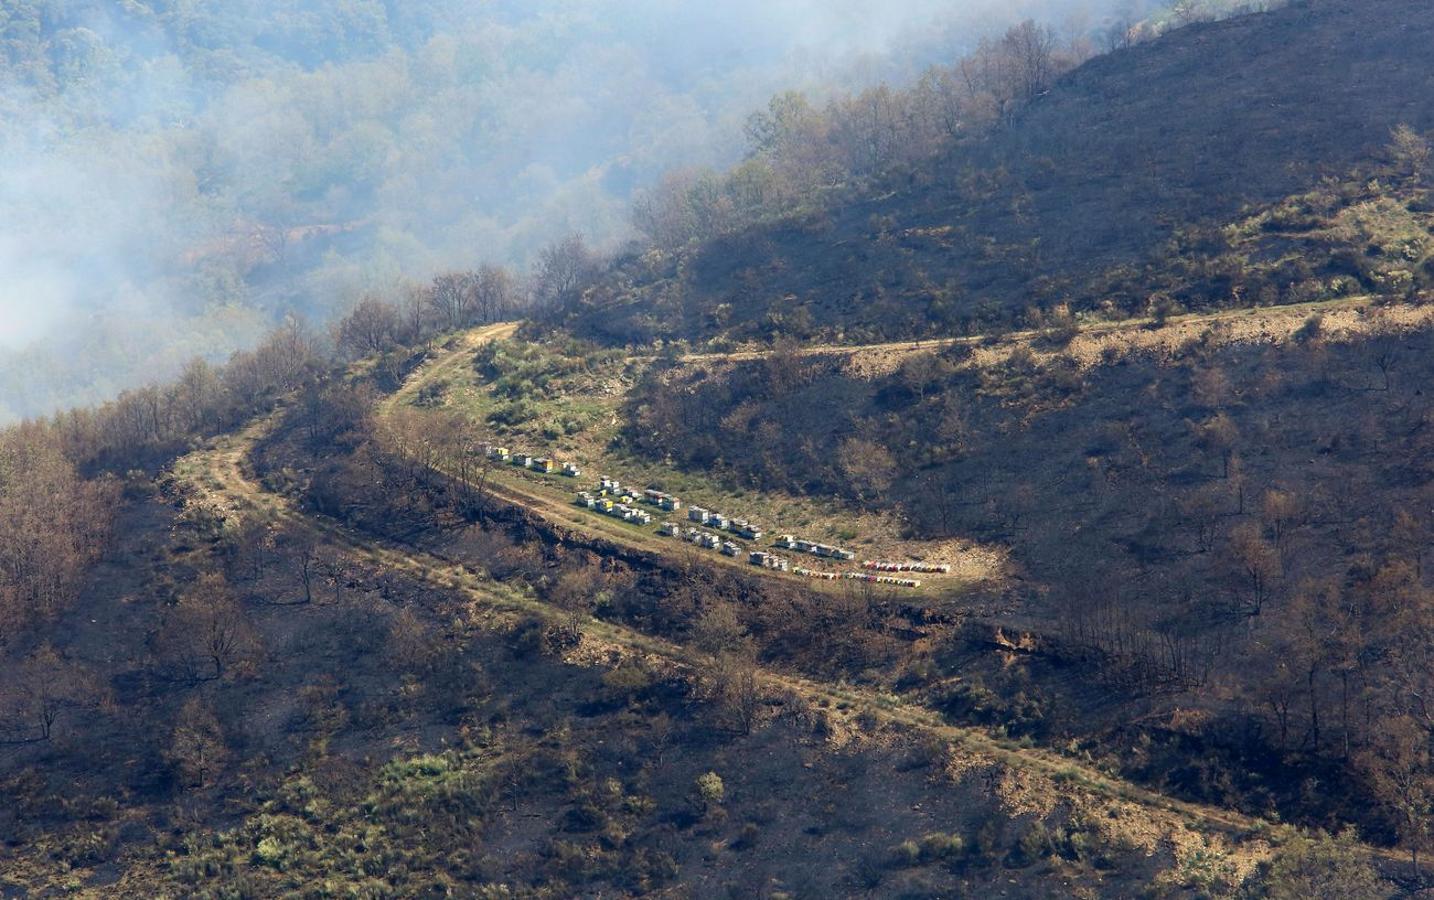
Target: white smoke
(165,191)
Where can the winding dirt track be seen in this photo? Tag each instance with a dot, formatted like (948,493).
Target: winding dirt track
(220,477)
(1344,316)
(1292,312)
(508,487)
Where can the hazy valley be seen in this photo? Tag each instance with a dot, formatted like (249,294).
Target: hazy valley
(960,452)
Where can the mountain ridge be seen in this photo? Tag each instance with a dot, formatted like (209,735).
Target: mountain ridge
(1125,157)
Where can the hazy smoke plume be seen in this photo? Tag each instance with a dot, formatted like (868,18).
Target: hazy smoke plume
(174,178)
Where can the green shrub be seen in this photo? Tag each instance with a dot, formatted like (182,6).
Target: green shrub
(1035,844)
(711,789)
(514,414)
(1320,867)
(938,846)
(432,394)
(627,680)
(271,852)
(907,853)
(986,848)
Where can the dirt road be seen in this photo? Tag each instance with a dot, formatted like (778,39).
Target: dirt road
(219,477)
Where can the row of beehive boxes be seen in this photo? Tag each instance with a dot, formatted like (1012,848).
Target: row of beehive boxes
(668,503)
(926,568)
(791,542)
(712,541)
(704,539)
(610,488)
(527,461)
(740,527)
(609,507)
(857,576)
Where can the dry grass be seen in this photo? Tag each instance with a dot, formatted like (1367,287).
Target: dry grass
(1200,840)
(1101,342)
(871,535)
(1192,845)
(223,464)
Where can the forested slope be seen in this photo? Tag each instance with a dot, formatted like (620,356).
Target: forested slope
(1138,157)
(276,629)
(190,173)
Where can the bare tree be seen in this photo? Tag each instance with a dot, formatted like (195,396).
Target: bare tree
(370,327)
(1031,49)
(207,636)
(334,568)
(869,467)
(1186,12)
(1218,435)
(1410,151)
(664,212)
(38,691)
(720,632)
(453,297)
(1119,34)
(938,104)
(740,692)
(306,559)
(53,524)
(410,644)
(198,393)
(1410,536)
(1279,511)
(1256,565)
(1399,766)
(414,316)
(496,293)
(564,268)
(575,593)
(196,746)
(869,128)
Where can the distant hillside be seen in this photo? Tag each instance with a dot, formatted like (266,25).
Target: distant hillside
(1124,154)
(189,174)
